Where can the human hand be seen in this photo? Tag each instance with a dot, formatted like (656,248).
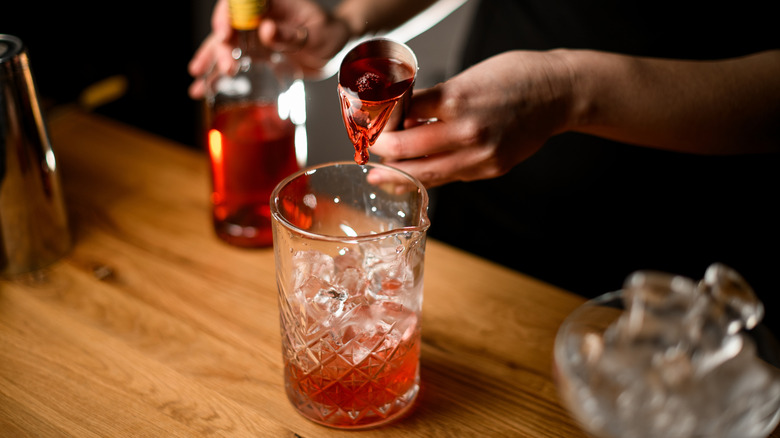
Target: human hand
(487,119)
(301,28)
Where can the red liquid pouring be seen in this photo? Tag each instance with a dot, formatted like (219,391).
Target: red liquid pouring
(251,150)
(369,89)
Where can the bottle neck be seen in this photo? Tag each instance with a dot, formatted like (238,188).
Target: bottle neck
(246,14)
(248,41)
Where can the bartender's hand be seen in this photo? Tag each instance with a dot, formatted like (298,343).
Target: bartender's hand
(302,28)
(501,111)
(487,119)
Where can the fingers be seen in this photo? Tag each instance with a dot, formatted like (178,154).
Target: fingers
(426,105)
(214,49)
(426,132)
(388,181)
(220,20)
(428,152)
(214,53)
(197,90)
(431,171)
(283,38)
(420,141)
(302,28)
(200,64)
(311,38)
(436,147)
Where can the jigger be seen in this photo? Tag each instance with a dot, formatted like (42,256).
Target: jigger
(34,229)
(386,48)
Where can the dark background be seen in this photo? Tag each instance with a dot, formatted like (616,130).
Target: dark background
(73,45)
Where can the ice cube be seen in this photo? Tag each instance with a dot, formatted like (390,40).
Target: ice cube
(310,288)
(677,363)
(356,322)
(330,299)
(656,304)
(659,292)
(307,264)
(318,302)
(348,258)
(351,281)
(728,288)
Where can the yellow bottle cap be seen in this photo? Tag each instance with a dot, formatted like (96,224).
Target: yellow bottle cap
(245,14)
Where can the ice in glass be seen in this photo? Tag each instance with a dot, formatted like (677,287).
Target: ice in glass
(349,266)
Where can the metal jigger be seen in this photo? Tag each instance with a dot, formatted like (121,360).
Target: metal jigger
(34,229)
(386,48)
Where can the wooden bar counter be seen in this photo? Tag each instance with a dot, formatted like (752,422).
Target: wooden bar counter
(153,327)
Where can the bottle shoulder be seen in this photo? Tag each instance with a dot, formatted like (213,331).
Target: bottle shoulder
(254,77)
(255,73)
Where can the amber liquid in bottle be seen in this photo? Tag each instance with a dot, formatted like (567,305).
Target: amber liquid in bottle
(251,145)
(251,150)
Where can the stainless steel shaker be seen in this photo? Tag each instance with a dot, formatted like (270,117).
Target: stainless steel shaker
(34,229)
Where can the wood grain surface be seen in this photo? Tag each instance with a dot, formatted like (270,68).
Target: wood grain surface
(152,327)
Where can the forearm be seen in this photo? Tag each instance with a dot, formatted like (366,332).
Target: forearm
(709,107)
(370,16)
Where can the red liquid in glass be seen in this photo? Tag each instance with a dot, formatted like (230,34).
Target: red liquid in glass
(346,393)
(369,89)
(251,150)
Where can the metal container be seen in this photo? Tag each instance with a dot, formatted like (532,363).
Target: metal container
(34,229)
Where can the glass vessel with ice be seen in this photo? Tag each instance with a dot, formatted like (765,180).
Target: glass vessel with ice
(349,268)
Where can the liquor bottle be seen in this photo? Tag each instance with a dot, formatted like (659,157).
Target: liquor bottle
(255,119)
